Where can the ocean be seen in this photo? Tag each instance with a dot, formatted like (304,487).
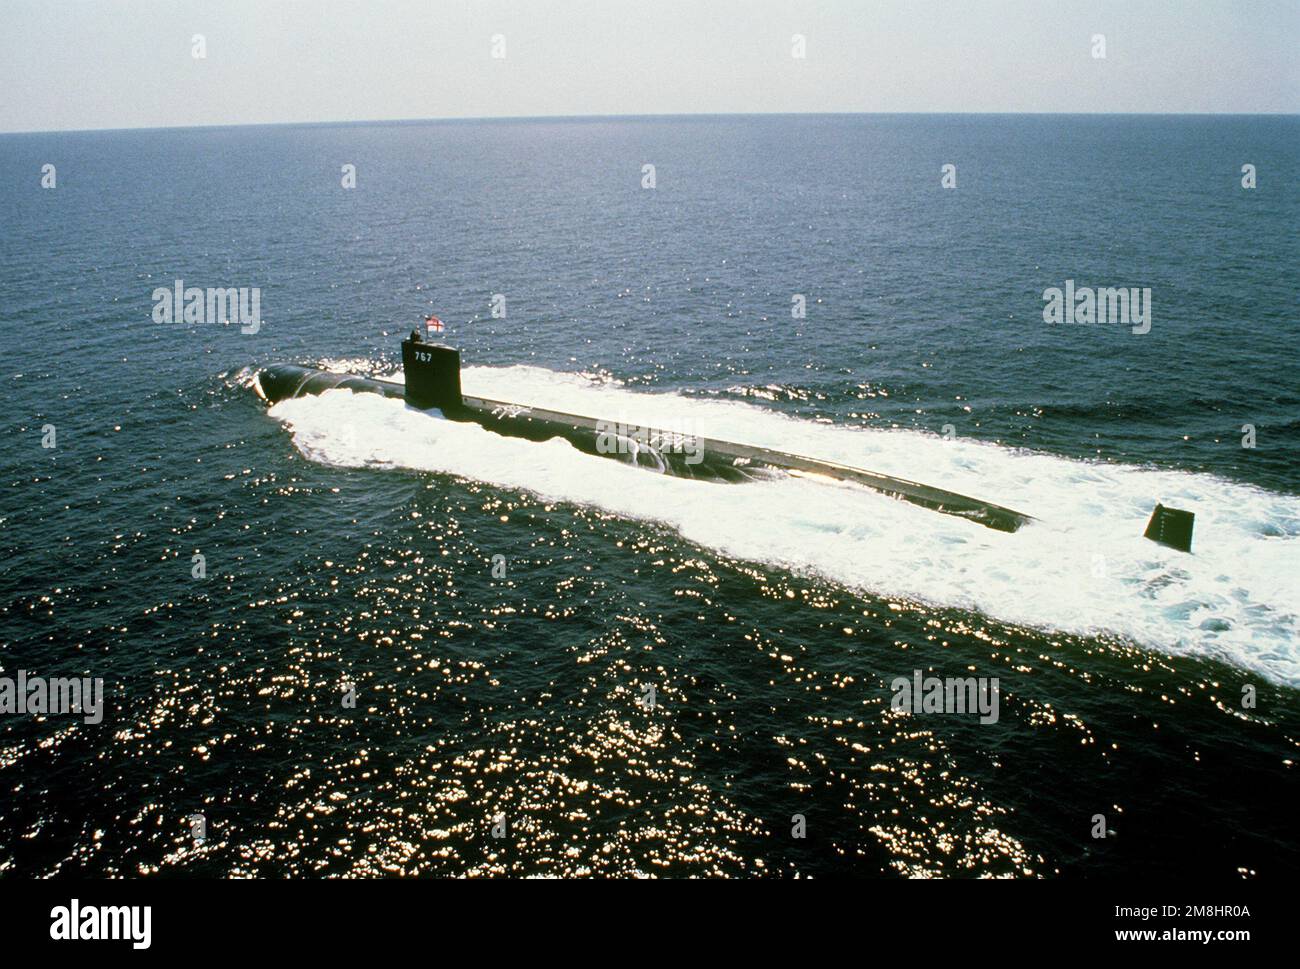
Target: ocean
(341,637)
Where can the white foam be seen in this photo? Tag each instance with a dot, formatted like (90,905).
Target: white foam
(1082,568)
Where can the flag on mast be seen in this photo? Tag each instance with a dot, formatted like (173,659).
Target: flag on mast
(433,325)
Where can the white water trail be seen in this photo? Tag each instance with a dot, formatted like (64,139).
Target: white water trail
(1082,568)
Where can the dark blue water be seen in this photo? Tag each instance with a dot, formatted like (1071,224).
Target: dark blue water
(769,622)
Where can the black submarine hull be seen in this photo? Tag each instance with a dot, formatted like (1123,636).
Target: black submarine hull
(433,383)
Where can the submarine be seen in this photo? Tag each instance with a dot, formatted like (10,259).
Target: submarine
(432,383)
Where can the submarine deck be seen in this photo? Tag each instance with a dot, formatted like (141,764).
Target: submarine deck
(544,423)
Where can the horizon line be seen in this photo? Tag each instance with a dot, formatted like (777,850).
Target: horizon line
(361,122)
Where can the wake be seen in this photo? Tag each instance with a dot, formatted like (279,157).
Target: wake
(1082,567)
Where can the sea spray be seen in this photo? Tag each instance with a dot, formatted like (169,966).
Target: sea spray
(1083,567)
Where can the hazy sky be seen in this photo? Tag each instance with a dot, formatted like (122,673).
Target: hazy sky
(69,64)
